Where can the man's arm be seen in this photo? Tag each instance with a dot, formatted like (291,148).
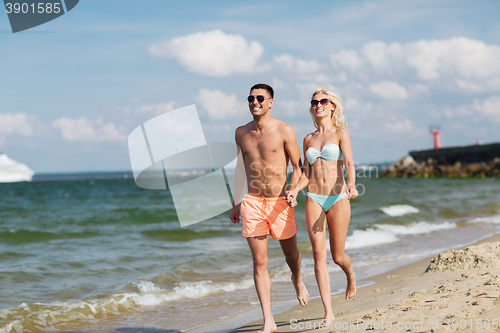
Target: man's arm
(303,180)
(239,179)
(293,152)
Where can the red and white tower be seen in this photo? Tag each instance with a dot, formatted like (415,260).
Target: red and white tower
(436,132)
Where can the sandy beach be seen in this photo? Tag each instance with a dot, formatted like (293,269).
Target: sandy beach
(456,290)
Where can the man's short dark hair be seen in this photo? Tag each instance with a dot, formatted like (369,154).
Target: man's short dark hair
(265,87)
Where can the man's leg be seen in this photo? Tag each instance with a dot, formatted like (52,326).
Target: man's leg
(293,259)
(258,246)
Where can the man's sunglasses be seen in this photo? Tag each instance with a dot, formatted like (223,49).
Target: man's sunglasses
(260,98)
(323,102)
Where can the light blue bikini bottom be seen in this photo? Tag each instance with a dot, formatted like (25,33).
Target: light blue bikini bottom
(326,201)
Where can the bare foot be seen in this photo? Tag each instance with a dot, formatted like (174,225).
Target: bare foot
(302,294)
(329,319)
(272,328)
(351,286)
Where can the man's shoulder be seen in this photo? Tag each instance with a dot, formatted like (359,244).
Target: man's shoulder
(283,127)
(243,128)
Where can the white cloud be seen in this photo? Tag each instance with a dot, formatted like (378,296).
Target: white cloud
(405,126)
(289,63)
(83,129)
(389,90)
(382,56)
(156,109)
(477,111)
(471,58)
(494,83)
(278,84)
(342,77)
(420,89)
(290,108)
(351,103)
(219,105)
(453,112)
(490,108)
(349,59)
(17,123)
(468,86)
(432,59)
(212,53)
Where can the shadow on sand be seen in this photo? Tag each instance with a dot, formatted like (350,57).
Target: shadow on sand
(284,326)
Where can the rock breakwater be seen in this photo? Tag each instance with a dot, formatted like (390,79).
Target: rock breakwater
(408,167)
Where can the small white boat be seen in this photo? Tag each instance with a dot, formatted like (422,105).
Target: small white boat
(12,171)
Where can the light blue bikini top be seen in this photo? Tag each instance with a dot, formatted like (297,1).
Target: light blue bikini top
(330,152)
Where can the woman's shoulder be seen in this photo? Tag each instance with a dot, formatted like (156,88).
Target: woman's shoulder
(341,132)
(307,138)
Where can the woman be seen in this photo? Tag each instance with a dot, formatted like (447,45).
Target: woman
(326,151)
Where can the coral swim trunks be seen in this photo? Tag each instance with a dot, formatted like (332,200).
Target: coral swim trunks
(262,216)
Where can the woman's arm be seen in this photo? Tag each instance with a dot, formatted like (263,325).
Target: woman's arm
(345,145)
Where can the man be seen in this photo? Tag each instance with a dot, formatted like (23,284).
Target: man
(266,145)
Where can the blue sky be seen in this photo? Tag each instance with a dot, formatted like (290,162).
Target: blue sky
(74,88)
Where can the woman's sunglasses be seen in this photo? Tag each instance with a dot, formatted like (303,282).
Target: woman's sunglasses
(323,102)
(260,98)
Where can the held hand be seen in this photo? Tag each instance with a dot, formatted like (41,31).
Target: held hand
(291,198)
(235,214)
(352,192)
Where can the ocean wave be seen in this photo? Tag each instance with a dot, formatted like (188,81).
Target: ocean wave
(399,210)
(369,237)
(415,228)
(388,233)
(146,295)
(133,216)
(150,295)
(486,219)
(12,255)
(18,236)
(184,234)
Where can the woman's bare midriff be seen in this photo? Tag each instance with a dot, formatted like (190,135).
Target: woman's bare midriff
(326,177)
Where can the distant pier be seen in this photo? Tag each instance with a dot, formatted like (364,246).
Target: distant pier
(464,162)
(462,154)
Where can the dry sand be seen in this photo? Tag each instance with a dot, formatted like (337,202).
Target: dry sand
(456,290)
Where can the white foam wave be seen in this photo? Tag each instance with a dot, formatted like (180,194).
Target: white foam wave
(486,219)
(49,315)
(399,210)
(12,327)
(369,237)
(151,295)
(388,233)
(415,228)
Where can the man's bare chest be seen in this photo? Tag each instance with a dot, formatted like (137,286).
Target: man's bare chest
(262,146)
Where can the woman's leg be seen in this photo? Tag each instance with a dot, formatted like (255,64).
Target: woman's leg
(338,217)
(316,224)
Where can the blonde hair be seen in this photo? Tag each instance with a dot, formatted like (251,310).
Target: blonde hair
(337,118)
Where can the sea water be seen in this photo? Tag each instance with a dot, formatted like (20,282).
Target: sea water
(96,253)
